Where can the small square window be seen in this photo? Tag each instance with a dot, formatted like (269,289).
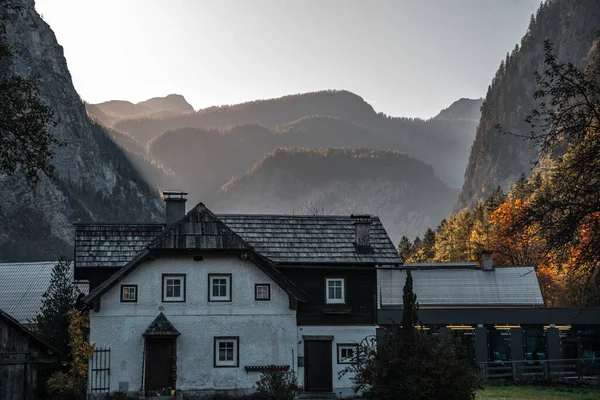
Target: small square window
(219,287)
(334,288)
(129,293)
(173,288)
(227,351)
(262,292)
(347,353)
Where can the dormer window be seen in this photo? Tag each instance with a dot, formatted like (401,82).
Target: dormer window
(335,290)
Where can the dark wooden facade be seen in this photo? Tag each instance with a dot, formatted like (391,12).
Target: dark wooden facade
(360,295)
(26,362)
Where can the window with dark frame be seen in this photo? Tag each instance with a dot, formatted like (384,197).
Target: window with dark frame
(334,288)
(129,293)
(219,287)
(347,353)
(173,288)
(226,351)
(262,292)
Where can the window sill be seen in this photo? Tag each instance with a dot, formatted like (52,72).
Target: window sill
(337,310)
(264,368)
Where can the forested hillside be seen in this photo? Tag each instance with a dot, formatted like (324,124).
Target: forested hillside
(403,191)
(497,158)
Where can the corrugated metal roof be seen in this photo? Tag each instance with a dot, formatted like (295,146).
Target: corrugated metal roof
(507,286)
(22,286)
(111,245)
(448,265)
(321,239)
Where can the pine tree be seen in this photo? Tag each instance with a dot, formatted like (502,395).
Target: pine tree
(405,248)
(428,245)
(410,307)
(59,299)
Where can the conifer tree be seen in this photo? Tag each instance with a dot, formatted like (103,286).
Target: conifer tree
(59,299)
(405,248)
(410,307)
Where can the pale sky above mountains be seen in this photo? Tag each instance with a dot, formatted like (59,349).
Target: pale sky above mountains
(406,57)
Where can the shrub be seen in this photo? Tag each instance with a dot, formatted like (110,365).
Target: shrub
(65,386)
(276,385)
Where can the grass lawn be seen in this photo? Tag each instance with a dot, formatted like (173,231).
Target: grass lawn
(537,393)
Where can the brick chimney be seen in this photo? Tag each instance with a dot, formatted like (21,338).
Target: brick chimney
(362,229)
(175,203)
(486,260)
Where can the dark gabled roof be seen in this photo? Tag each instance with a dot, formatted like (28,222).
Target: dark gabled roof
(12,321)
(199,230)
(111,245)
(161,327)
(320,239)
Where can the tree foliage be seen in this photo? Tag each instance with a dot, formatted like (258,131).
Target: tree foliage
(552,219)
(409,363)
(59,299)
(71,385)
(26,138)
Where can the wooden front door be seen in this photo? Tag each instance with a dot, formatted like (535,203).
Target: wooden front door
(317,366)
(160,363)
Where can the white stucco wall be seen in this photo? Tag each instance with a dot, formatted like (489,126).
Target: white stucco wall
(341,335)
(267,329)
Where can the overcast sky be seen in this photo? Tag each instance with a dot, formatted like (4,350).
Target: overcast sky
(407,58)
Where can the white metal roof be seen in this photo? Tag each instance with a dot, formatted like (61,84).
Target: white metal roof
(507,286)
(22,286)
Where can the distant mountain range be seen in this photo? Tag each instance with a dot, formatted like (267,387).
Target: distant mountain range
(204,150)
(443,141)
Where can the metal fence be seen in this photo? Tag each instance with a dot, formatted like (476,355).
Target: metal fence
(99,378)
(580,368)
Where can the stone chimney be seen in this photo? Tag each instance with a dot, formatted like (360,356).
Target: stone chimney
(362,229)
(486,260)
(175,202)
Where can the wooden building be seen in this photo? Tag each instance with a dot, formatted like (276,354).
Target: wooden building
(26,361)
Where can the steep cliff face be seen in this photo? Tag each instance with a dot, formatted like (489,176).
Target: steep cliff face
(499,159)
(404,192)
(94,179)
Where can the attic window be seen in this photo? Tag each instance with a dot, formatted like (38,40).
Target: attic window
(129,293)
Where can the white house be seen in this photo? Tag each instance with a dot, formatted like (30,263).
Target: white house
(206,302)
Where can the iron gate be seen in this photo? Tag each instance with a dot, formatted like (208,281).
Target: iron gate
(99,380)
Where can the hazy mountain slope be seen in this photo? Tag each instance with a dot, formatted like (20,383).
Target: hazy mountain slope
(442,142)
(110,112)
(205,159)
(95,180)
(497,159)
(403,191)
(462,109)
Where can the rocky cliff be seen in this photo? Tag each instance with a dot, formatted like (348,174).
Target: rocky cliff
(499,159)
(94,179)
